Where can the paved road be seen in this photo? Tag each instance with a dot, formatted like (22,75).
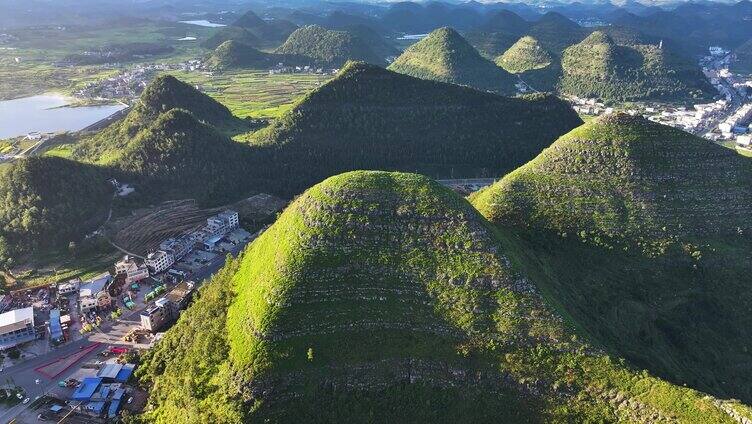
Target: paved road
(23,374)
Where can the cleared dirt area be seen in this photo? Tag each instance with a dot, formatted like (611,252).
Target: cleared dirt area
(144,229)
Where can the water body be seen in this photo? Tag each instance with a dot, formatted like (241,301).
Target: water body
(413,37)
(47,113)
(203,23)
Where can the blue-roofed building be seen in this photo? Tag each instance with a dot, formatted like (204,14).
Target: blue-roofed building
(125,373)
(86,390)
(95,407)
(114,408)
(109,371)
(56,329)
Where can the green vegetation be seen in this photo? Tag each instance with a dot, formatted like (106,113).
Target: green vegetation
(273,31)
(118,53)
(372,118)
(622,181)
(525,55)
(41,52)
(175,144)
(233,54)
(598,67)
(329,48)
(48,202)
(254,93)
(447,57)
(180,157)
(491,44)
(743,63)
(90,258)
(162,95)
(537,67)
(383,296)
(638,234)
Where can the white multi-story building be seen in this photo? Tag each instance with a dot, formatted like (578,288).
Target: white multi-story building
(16,327)
(222,223)
(159,261)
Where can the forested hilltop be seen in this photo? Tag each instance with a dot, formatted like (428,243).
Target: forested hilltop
(161,95)
(599,67)
(329,48)
(372,118)
(640,233)
(447,57)
(175,144)
(384,296)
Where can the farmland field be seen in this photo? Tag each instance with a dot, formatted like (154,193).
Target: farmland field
(254,93)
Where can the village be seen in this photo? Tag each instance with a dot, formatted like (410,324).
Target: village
(74,346)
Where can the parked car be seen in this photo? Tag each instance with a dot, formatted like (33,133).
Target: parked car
(25,401)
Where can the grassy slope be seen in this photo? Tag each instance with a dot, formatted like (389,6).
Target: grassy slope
(447,57)
(369,272)
(661,279)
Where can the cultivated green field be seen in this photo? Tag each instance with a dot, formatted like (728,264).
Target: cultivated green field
(254,92)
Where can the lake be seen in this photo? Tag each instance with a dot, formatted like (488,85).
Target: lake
(203,23)
(46,113)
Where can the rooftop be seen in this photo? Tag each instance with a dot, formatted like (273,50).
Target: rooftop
(156,255)
(17,318)
(87,388)
(177,294)
(95,285)
(109,371)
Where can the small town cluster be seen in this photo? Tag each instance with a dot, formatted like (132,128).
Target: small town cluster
(111,318)
(130,83)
